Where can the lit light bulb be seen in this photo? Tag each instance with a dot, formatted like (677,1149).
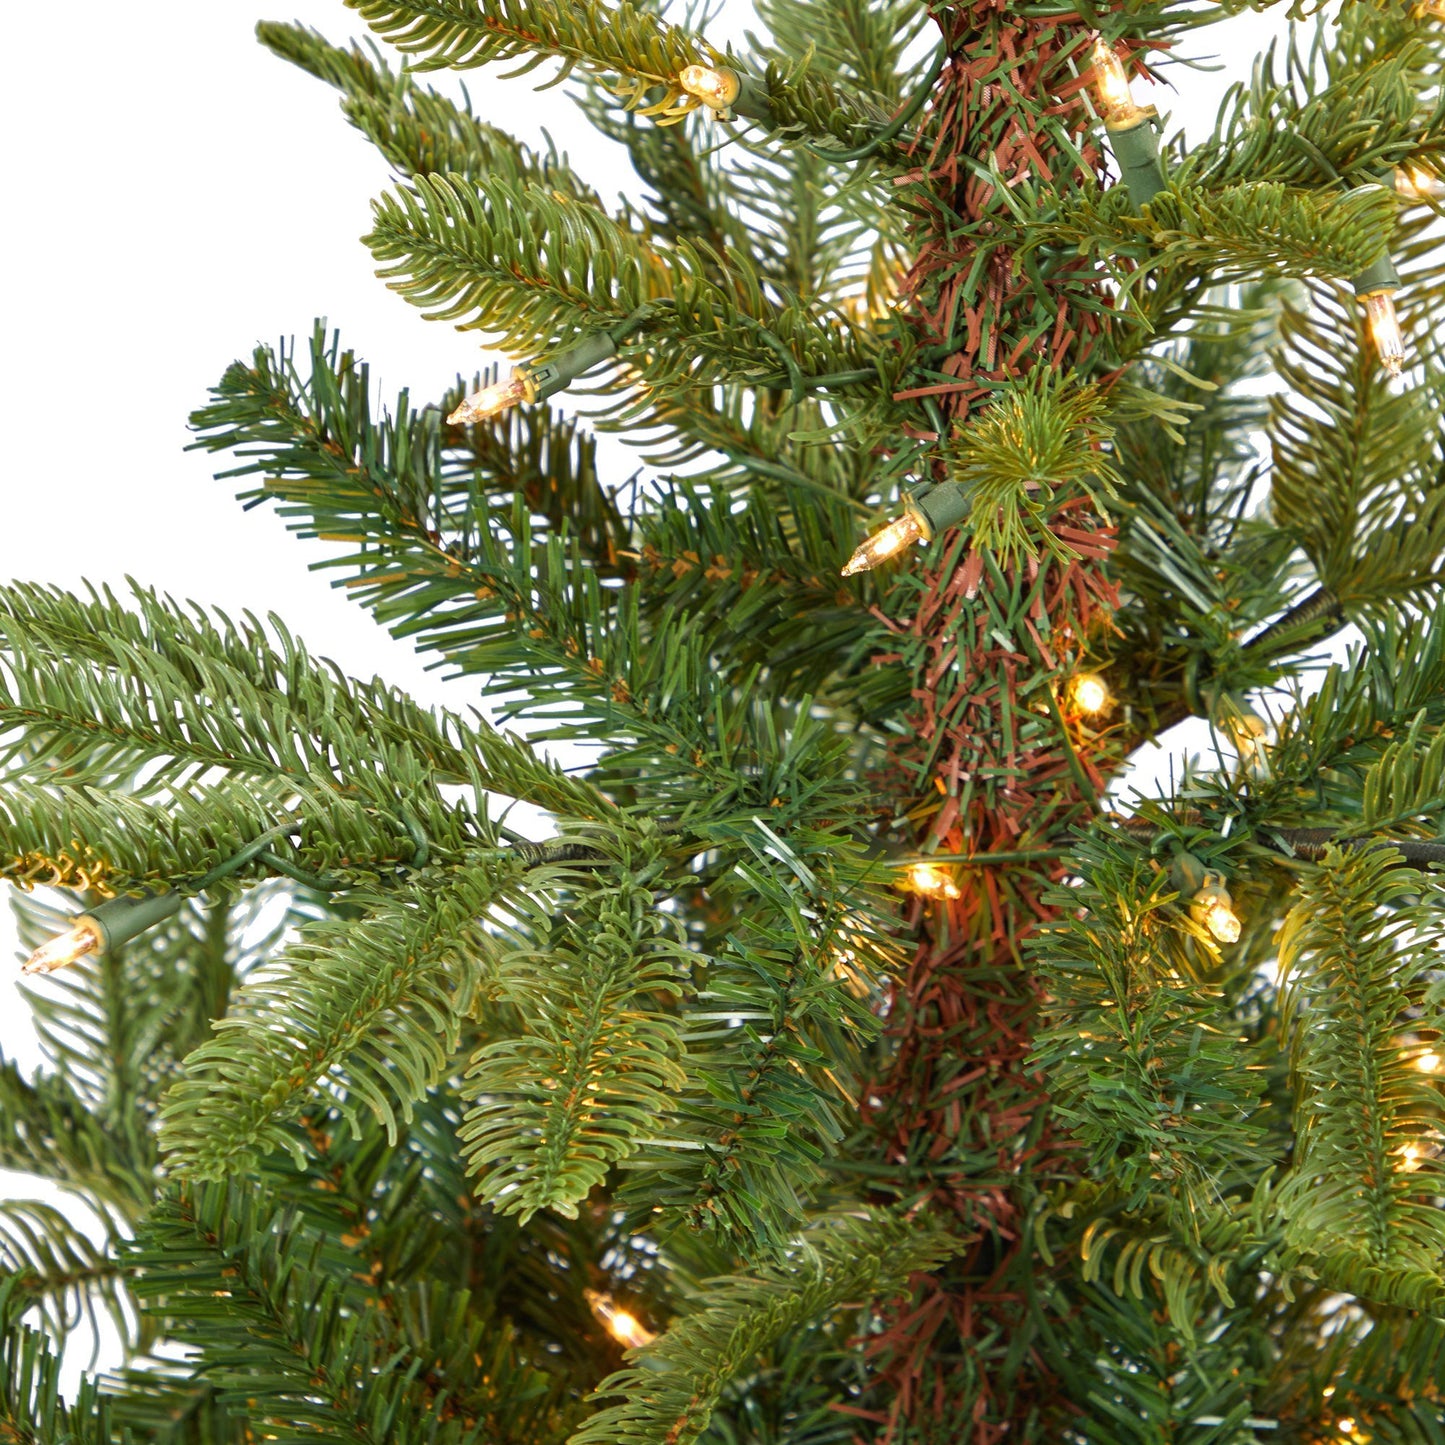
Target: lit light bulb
(925,878)
(1385,330)
(82,940)
(1415,1152)
(717,89)
(1222,921)
(1429,1062)
(1214,908)
(626,1329)
(1090,694)
(882,545)
(492,399)
(1346,1424)
(1249,732)
(1112,80)
(1417,184)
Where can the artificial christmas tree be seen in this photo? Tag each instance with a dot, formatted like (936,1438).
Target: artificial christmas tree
(842,1049)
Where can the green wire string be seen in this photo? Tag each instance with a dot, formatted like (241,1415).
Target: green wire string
(894,126)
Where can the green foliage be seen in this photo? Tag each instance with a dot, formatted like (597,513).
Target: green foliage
(418,131)
(842,1260)
(773,1047)
(1356,466)
(859,42)
(1364,1180)
(1239,232)
(266,1299)
(1142,1055)
(1040,445)
(458,248)
(98,691)
(628,41)
(59,1270)
(1348,105)
(651,1039)
(368,1009)
(31,1407)
(594,1072)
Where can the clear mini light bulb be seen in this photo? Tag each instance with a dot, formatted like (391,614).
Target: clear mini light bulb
(1116,100)
(933,882)
(625,1328)
(491,400)
(1089,693)
(1214,908)
(1385,330)
(717,89)
(897,535)
(1417,184)
(81,941)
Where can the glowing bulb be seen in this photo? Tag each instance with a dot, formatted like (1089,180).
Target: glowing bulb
(492,399)
(1385,330)
(925,878)
(882,545)
(1417,184)
(1346,1424)
(1429,1062)
(1112,81)
(716,89)
(1090,693)
(1222,921)
(1415,1152)
(1328,1391)
(626,1329)
(84,939)
(1249,732)
(1214,908)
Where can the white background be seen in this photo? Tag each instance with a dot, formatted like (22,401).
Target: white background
(176,195)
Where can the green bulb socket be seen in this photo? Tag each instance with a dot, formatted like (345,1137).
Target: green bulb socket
(119,920)
(547,378)
(1188,874)
(751,101)
(1136,152)
(1379,276)
(938,508)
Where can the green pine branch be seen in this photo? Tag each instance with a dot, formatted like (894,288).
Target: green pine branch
(367,1008)
(595,1072)
(628,41)
(775,1040)
(47,1128)
(102,690)
(418,131)
(1355,472)
(262,1298)
(1143,1059)
(1346,105)
(1358,950)
(32,1410)
(116,1027)
(1192,237)
(525,264)
(842,1261)
(860,41)
(61,1272)
(515,593)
